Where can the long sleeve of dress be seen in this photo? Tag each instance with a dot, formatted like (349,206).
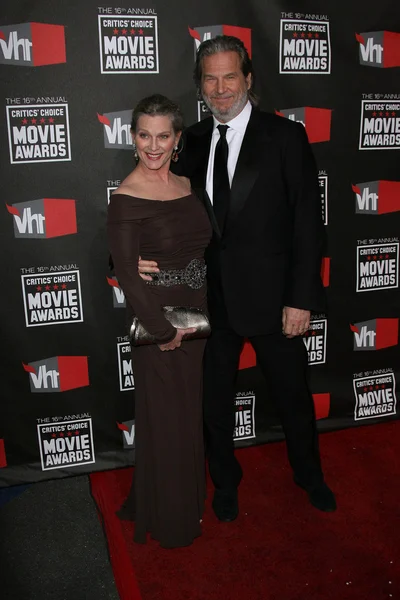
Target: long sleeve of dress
(123,232)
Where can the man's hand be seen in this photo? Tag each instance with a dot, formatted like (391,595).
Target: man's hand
(176,342)
(295,321)
(147,266)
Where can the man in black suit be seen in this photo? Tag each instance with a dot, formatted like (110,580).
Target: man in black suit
(258,179)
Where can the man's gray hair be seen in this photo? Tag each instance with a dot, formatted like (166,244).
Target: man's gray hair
(225,43)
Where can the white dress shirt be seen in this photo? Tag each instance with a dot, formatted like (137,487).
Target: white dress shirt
(234,137)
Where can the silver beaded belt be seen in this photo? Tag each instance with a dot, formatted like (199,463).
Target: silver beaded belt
(193,275)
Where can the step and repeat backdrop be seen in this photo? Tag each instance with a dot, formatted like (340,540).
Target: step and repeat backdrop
(71,74)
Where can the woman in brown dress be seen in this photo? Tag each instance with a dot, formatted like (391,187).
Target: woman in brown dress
(154,213)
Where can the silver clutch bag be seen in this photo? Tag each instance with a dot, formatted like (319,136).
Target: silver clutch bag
(181,317)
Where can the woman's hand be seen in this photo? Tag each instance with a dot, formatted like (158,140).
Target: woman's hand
(176,342)
(147,266)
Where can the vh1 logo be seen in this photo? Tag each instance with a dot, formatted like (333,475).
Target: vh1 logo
(201,34)
(379,49)
(375,334)
(117,129)
(377,197)
(32,44)
(317,121)
(118,294)
(58,374)
(128,433)
(44,218)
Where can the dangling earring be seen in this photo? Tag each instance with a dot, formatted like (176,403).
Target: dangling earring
(175,156)
(177,150)
(135,154)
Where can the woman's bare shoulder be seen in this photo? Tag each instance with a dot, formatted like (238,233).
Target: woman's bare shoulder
(128,187)
(184,182)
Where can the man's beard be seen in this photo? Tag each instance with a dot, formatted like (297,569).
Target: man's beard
(230,113)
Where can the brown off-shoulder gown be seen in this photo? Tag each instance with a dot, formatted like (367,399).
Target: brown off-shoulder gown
(168,491)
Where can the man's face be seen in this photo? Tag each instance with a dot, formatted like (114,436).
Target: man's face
(223,86)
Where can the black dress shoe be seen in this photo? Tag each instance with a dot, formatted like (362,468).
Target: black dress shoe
(225,505)
(320,496)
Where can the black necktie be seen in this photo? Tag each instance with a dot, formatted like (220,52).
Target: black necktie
(221,188)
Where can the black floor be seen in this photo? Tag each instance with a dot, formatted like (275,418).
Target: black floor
(52,545)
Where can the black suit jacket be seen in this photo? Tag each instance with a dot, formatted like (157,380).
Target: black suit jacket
(269,255)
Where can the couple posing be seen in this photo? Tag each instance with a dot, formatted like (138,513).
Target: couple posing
(242,196)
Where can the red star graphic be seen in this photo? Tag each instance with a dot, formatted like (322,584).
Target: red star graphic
(383,386)
(55,287)
(42,120)
(47,288)
(64,286)
(310,35)
(33,121)
(371,387)
(386,255)
(393,114)
(76,432)
(141,32)
(374,114)
(381,114)
(116,31)
(295,35)
(61,434)
(69,433)
(132,32)
(240,407)
(377,387)
(303,34)
(313,333)
(124,31)
(365,389)
(39,288)
(317,35)
(369,258)
(24,121)
(51,120)
(381,256)
(53,435)
(387,114)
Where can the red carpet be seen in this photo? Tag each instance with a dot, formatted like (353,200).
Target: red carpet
(280,547)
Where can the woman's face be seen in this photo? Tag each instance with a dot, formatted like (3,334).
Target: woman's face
(155,140)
